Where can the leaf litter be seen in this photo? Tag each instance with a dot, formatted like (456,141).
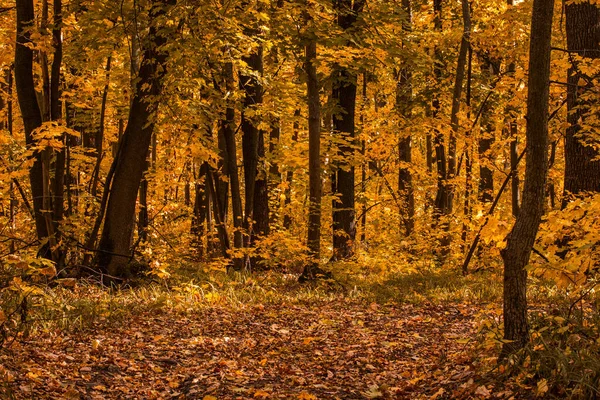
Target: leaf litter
(338,349)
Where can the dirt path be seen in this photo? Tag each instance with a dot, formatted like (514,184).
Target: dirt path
(339,349)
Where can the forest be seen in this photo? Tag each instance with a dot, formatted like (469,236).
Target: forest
(299,199)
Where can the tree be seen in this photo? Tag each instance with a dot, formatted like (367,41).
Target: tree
(522,237)
(314,152)
(344,92)
(31,114)
(582,166)
(129,164)
(404,107)
(256,218)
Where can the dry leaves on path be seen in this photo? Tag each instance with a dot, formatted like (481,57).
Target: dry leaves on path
(326,350)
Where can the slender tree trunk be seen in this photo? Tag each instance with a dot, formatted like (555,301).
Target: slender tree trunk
(404,107)
(114,248)
(441,201)
(522,237)
(227,125)
(287,219)
(514,181)
(490,68)
(582,166)
(364,165)
(467,211)
(256,206)
(100,132)
(199,215)
(222,183)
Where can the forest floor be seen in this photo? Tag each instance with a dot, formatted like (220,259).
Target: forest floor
(328,347)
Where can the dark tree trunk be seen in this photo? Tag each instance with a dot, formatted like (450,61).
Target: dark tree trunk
(344,92)
(200,210)
(55,115)
(522,237)
(114,248)
(467,209)
(442,197)
(30,112)
(314,151)
(99,139)
(404,107)
(221,182)
(490,69)
(143,219)
(287,219)
(252,138)
(582,166)
(514,181)
(234,180)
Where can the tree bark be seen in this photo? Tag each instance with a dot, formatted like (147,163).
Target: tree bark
(114,247)
(287,219)
(234,180)
(404,107)
(582,166)
(344,92)
(314,153)
(30,111)
(256,218)
(522,237)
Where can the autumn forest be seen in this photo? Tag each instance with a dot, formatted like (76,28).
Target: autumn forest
(309,199)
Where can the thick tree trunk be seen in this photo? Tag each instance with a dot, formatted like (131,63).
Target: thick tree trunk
(30,111)
(114,248)
(522,237)
(314,153)
(582,166)
(344,92)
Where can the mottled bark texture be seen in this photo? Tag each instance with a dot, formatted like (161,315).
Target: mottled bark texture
(582,166)
(522,237)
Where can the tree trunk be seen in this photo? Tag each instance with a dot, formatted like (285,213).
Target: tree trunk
(314,152)
(490,69)
(234,180)
(344,92)
(99,139)
(404,107)
(256,207)
(114,248)
(30,112)
(582,166)
(287,219)
(522,237)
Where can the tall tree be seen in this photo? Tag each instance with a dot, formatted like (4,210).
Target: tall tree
(129,164)
(404,107)
(30,112)
(582,165)
(256,218)
(344,92)
(522,237)
(314,151)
